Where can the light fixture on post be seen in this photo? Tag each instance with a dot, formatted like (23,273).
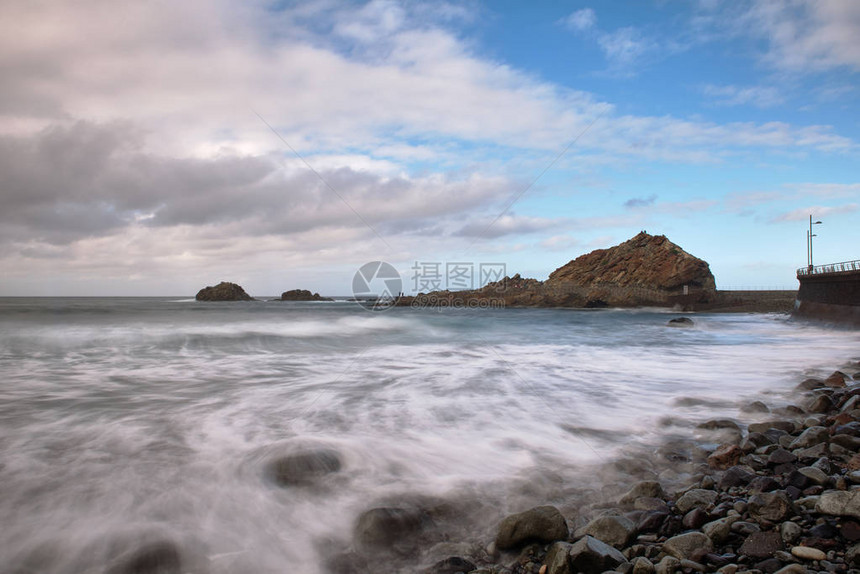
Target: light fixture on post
(809,236)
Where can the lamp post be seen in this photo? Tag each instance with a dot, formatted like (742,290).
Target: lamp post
(809,236)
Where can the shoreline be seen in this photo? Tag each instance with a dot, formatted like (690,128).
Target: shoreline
(770,491)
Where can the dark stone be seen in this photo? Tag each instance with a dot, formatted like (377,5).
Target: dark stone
(161,557)
(825,530)
(694,519)
(797,480)
(769,566)
(820,404)
(846,441)
(759,439)
(850,530)
(224,291)
(763,484)
(302,295)
(783,469)
(681,322)
(386,526)
(770,506)
(793,492)
(591,556)
(651,521)
(346,563)
(755,407)
(762,544)
(852,428)
(304,468)
(810,384)
(452,565)
(780,456)
(543,523)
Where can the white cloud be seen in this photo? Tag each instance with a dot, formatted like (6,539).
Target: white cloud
(758,96)
(581,20)
(625,47)
(808,35)
(817,211)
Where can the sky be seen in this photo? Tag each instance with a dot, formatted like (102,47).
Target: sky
(154,148)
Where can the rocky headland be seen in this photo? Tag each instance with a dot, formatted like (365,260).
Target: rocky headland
(224,291)
(302,295)
(644,271)
(775,490)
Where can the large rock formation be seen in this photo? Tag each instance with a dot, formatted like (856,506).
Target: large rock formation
(647,269)
(224,291)
(302,295)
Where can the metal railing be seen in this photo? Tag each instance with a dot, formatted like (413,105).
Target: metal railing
(844,267)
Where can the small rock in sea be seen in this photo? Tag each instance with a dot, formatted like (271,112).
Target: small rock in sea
(591,555)
(836,380)
(683,546)
(680,322)
(614,530)
(304,468)
(755,407)
(386,526)
(809,385)
(820,404)
(224,291)
(543,523)
(161,557)
(808,553)
(761,544)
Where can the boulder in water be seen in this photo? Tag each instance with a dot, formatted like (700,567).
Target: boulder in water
(680,322)
(224,291)
(387,526)
(304,468)
(302,295)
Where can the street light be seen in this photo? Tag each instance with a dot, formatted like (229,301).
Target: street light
(809,236)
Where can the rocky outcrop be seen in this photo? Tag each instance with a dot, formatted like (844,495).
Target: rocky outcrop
(644,270)
(302,295)
(224,291)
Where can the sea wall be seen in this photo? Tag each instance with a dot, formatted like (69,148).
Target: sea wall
(831,297)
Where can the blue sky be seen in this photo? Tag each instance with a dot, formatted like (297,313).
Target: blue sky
(149,149)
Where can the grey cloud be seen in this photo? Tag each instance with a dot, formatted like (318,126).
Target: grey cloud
(86,180)
(635,202)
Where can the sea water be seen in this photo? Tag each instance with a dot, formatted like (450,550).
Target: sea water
(154,418)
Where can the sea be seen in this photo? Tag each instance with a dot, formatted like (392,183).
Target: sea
(130,420)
